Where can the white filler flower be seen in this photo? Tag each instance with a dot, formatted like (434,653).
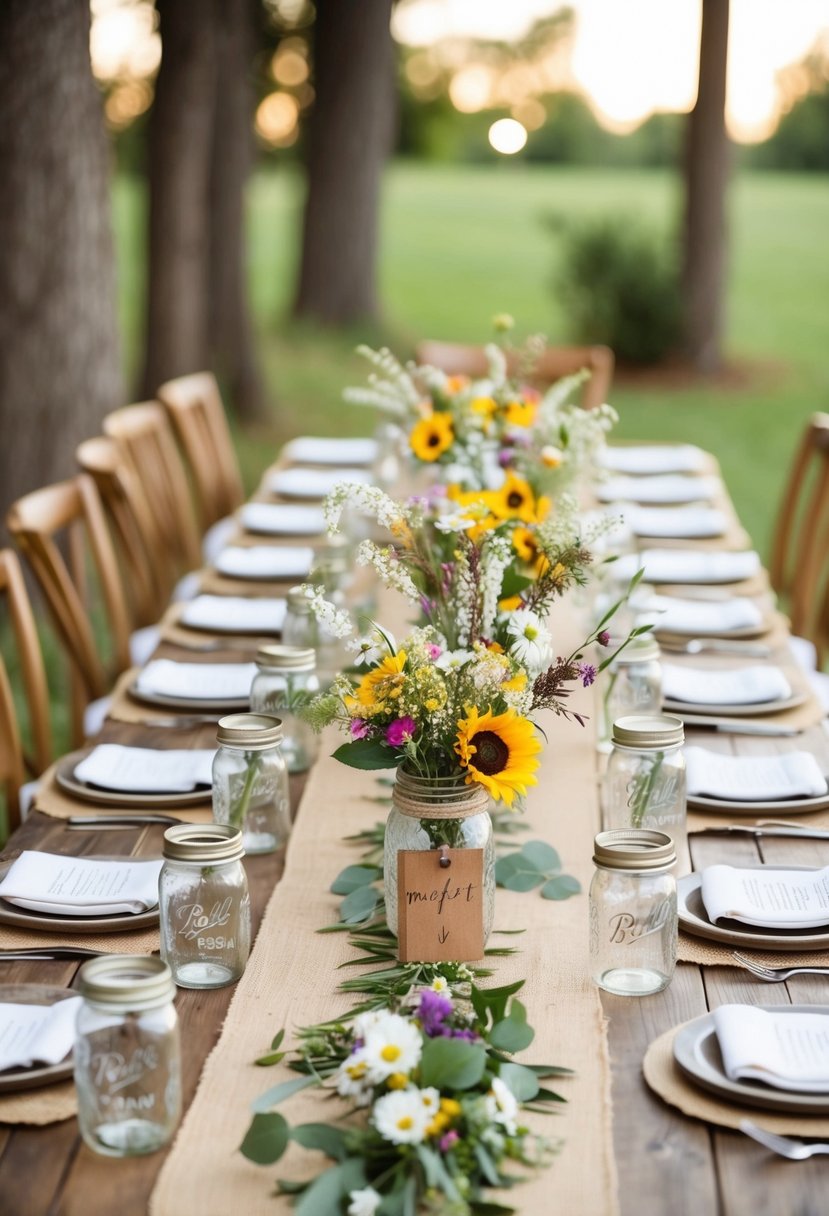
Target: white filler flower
(364,1202)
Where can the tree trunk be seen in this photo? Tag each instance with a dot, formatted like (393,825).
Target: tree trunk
(232,341)
(180,148)
(349,141)
(707,168)
(60,367)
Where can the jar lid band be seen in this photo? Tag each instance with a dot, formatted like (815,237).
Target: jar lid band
(203,844)
(634,849)
(126,981)
(649,731)
(250,732)
(286,658)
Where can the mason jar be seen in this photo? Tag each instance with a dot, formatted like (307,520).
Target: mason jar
(126,1056)
(644,785)
(204,905)
(285,682)
(428,813)
(630,684)
(633,917)
(250,781)
(301,628)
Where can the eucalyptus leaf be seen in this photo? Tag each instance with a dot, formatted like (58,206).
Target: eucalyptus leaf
(323,1137)
(359,905)
(512,1033)
(272,1097)
(561,887)
(522,1082)
(266,1139)
(526,880)
(353,877)
(487,1165)
(451,1064)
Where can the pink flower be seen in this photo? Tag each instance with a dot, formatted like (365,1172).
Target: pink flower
(359,728)
(446,1141)
(603,638)
(400,731)
(433,650)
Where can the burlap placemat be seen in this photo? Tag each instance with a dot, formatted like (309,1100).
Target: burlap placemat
(292,975)
(665,1079)
(50,1104)
(211,644)
(52,800)
(125,709)
(701,821)
(136,941)
(709,954)
(213,583)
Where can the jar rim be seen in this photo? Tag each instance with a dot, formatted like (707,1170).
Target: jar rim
(126,982)
(642,850)
(203,843)
(278,657)
(648,731)
(249,732)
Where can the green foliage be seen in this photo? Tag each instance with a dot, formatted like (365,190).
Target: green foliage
(452,1064)
(619,285)
(366,754)
(537,864)
(266,1139)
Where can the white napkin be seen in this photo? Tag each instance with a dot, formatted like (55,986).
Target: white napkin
(146,770)
(313,449)
(37,1034)
(691,523)
(753,778)
(282,519)
(689,566)
(674,615)
(233,613)
(81,886)
(786,1050)
(667,488)
(200,681)
(769,898)
(265,561)
(730,686)
(653,458)
(313,483)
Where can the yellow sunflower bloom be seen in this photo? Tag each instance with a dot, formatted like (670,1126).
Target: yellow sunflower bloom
(486,407)
(481,509)
(515,500)
(517,683)
(520,413)
(384,682)
(498,750)
(525,543)
(510,603)
(430,437)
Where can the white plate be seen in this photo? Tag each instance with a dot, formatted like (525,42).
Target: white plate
(693,919)
(12,1080)
(226,705)
(66,780)
(691,711)
(697,1054)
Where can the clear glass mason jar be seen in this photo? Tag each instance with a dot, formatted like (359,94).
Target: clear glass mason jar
(633,919)
(285,682)
(250,781)
(631,684)
(127,1055)
(204,905)
(429,812)
(301,628)
(644,785)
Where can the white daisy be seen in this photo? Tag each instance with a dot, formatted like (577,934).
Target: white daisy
(529,642)
(364,1202)
(370,649)
(392,1045)
(450,660)
(501,1106)
(353,1080)
(401,1117)
(364,1022)
(430,1098)
(439,984)
(457,521)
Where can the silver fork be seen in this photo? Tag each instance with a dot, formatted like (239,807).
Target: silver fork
(774,975)
(795,1150)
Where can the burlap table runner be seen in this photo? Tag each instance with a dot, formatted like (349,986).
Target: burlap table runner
(52,800)
(51,1104)
(292,974)
(665,1079)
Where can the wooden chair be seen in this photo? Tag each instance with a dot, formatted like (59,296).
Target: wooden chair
(147,570)
(799,564)
(15,761)
(72,510)
(195,407)
(555,362)
(145,437)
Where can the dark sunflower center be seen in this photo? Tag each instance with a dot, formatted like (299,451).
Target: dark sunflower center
(491,752)
(433,440)
(515,499)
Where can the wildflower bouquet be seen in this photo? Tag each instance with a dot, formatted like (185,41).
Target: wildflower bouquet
(443,1104)
(472,433)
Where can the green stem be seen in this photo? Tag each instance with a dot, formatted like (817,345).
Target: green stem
(238,811)
(642,790)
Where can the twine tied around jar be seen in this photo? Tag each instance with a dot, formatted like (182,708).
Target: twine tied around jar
(438,797)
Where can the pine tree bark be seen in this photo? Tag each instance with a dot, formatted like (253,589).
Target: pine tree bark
(707,167)
(180,151)
(349,140)
(231,335)
(60,368)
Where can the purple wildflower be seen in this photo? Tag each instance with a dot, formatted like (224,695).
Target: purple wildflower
(400,731)
(505,458)
(588,673)
(467,1034)
(603,638)
(426,605)
(358,728)
(433,1011)
(447,1140)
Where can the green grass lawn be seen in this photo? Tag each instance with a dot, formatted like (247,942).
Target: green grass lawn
(459,244)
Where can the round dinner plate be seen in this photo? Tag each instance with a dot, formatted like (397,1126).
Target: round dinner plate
(788,806)
(67,781)
(743,633)
(694,920)
(697,1054)
(191,703)
(48,922)
(15,1079)
(752,710)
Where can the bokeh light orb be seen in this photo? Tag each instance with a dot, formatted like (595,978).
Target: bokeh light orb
(507,136)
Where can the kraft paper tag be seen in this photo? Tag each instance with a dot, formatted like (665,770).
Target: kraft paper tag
(440,911)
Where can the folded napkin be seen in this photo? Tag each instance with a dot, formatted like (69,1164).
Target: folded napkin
(282,519)
(689,566)
(234,614)
(146,770)
(37,1034)
(313,449)
(199,681)
(729,686)
(313,483)
(788,1050)
(653,458)
(753,778)
(767,897)
(670,487)
(691,523)
(81,886)
(265,561)
(674,615)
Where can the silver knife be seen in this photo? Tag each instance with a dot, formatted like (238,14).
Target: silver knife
(793,831)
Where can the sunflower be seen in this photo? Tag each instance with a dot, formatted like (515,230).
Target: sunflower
(481,509)
(431,436)
(486,407)
(383,684)
(498,750)
(520,413)
(525,543)
(515,500)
